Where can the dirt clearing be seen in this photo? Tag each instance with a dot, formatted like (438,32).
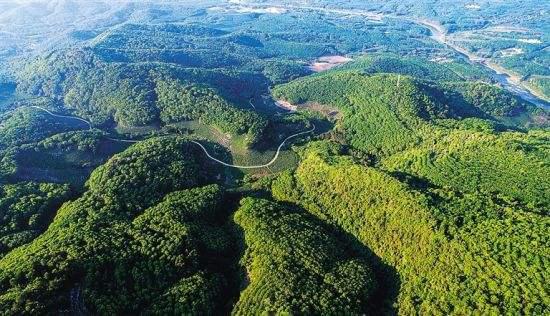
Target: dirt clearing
(328,62)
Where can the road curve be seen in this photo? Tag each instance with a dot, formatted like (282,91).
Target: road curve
(63,116)
(82,120)
(192,141)
(257,166)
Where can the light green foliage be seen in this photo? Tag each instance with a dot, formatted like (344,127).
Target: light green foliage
(296,265)
(454,253)
(541,84)
(428,197)
(414,67)
(512,165)
(382,114)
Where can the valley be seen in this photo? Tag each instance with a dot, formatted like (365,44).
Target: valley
(509,80)
(325,157)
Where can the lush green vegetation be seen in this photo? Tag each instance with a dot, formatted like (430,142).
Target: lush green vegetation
(491,100)
(382,114)
(128,95)
(434,239)
(511,165)
(26,209)
(443,172)
(68,157)
(416,67)
(422,190)
(104,245)
(295,265)
(28,125)
(178,102)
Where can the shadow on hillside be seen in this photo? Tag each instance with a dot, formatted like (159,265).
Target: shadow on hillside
(237,278)
(384,297)
(388,283)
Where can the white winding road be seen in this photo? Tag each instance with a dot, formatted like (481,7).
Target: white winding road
(257,166)
(63,116)
(192,141)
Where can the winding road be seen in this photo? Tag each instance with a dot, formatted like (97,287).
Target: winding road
(257,166)
(192,141)
(63,116)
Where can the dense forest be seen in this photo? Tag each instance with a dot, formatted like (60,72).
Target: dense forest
(230,157)
(452,250)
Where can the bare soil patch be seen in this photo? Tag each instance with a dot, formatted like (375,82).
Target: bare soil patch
(286,105)
(328,62)
(327,111)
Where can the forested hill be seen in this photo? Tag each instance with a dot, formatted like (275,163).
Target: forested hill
(454,251)
(133,95)
(243,158)
(448,134)
(147,235)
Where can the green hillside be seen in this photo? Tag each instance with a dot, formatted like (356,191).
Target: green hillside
(274,158)
(424,197)
(452,250)
(416,67)
(26,211)
(129,95)
(105,244)
(295,265)
(513,166)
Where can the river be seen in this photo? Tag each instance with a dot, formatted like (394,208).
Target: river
(506,78)
(503,76)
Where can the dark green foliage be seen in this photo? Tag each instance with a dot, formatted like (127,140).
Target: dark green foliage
(280,71)
(491,99)
(144,94)
(64,158)
(26,209)
(77,140)
(179,102)
(440,207)
(147,170)
(119,249)
(198,294)
(129,95)
(296,265)
(28,125)
(176,248)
